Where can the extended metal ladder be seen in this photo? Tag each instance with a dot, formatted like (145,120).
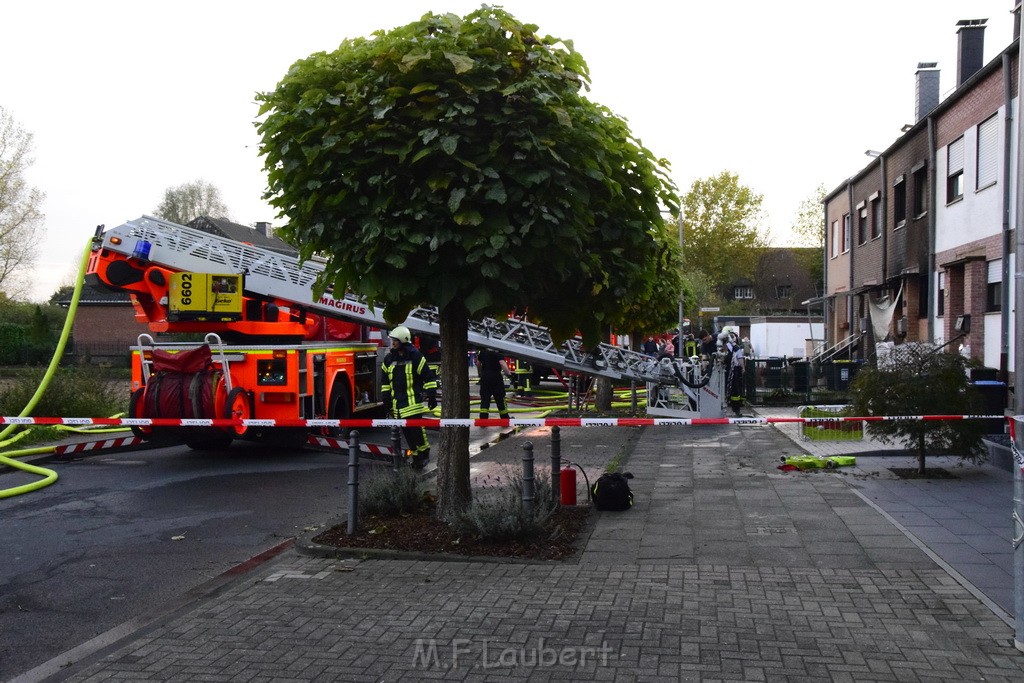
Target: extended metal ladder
(270,273)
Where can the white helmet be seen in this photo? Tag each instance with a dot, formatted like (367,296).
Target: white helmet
(402,334)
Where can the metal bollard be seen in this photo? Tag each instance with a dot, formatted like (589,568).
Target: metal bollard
(556,466)
(529,489)
(396,447)
(1018,535)
(353,482)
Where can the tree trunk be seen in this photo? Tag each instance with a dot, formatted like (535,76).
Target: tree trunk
(603,398)
(453,491)
(603,385)
(920,454)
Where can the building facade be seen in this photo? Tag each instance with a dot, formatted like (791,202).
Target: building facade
(919,242)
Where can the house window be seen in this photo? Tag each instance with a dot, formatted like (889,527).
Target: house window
(941,303)
(920,197)
(847,233)
(899,202)
(743,292)
(876,217)
(862,224)
(994,291)
(783,291)
(836,237)
(955,171)
(988,153)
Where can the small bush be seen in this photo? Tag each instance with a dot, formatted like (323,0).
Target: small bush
(497,511)
(390,493)
(72,392)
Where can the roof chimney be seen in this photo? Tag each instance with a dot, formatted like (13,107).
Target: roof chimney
(263,228)
(971,48)
(927,89)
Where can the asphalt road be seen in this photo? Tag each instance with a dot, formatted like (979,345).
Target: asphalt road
(122,536)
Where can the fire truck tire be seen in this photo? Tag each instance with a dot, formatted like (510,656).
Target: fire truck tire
(341,408)
(135,409)
(238,406)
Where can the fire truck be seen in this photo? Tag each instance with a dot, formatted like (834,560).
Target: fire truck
(268,347)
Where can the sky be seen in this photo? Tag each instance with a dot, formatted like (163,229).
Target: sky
(127,99)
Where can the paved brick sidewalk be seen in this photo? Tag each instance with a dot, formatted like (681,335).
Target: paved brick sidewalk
(725,569)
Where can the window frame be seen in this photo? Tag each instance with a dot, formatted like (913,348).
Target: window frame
(899,202)
(738,292)
(994,286)
(877,219)
(862,223)
(940,298)
(988,141)
(919,199)
(955,170)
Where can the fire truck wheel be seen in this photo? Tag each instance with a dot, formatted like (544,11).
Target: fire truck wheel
(238,407)
(135,407)
(341,409)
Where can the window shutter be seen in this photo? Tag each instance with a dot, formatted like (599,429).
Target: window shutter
(956,156)
(988,155)
(995,271)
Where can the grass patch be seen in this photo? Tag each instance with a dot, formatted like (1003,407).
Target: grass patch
(830,430)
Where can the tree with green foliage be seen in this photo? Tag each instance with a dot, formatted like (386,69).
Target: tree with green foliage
(456,162)
(920,380)
(809,231)
(185,202)
(721,220)
(21,217)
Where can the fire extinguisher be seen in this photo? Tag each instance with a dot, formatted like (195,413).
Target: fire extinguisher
(567,483)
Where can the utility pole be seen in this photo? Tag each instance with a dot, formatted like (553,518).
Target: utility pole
(679,346)
(1018,375)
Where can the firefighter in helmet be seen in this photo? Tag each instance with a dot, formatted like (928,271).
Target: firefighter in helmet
(408,382)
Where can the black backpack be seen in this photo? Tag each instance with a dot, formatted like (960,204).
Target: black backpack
(611,492)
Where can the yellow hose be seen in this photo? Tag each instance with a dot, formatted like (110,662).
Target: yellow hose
(49,475)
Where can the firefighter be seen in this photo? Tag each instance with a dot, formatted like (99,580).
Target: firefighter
(737,365)
(408,380)
(490,368)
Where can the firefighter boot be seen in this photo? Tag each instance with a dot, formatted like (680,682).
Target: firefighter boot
(419,461)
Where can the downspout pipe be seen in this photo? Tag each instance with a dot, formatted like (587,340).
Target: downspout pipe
(932,229)
(826,302)
(885,220)
(1004,316)
(853,250)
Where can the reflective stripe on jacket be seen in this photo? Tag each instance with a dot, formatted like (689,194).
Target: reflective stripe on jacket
(408,379)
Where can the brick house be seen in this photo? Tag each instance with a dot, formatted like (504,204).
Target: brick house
(783,281)
(926,226)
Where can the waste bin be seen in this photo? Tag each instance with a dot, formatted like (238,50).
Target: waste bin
(841,374)
(773,373)
(801,376)
(989,398)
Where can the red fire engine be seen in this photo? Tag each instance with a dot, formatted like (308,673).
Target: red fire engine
(259,357)
(268,349)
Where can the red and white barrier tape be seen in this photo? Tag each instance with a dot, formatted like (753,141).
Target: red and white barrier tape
(374,450)
(449,422)
(128,441)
